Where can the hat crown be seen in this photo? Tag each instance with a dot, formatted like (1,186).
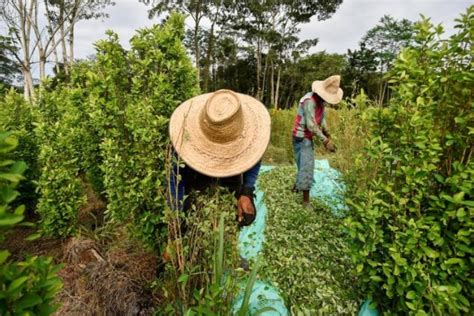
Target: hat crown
(332,84)
(221,118)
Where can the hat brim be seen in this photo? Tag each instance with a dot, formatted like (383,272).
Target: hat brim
(220,159)
(318,87)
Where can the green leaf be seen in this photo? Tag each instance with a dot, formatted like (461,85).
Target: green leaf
(12,177)
(183,278)
(4,254)
(411,295)
(454,261)
(17,283)
(461,213)
(411,305)
(11,220)
(27,301)
(32,237)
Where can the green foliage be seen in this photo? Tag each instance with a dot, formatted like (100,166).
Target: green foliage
(280,149)
(11,172)
(28,287)
(18,116)
(306,253)
(108,126)
(377,50)
(132,97)
(203,275)
(62,133)
(412,224)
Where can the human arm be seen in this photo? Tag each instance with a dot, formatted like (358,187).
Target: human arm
(310,119)
(246,212)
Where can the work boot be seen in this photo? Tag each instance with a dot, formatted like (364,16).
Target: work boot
(306,202)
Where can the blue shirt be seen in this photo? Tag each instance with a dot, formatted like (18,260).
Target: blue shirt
(178,192)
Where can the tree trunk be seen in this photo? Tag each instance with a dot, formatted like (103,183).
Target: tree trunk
(277,91)
(210,50)
(63,40)
(71,44)
(272,84)
(264,80)
(197,20)
(259,69)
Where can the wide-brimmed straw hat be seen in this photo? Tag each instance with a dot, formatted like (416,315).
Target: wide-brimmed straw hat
(220,134)
(329,89)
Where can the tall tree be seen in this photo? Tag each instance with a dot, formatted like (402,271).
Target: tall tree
(66,14)
(9,68)
(377,50)
(196,9)
(33,34)
(274,24)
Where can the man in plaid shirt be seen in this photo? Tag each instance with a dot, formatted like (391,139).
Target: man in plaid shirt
(309,122)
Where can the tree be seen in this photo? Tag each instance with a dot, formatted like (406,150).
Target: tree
(377,50)
(32,34)
(9,69)
(196,9)
(271,27)
(67,13)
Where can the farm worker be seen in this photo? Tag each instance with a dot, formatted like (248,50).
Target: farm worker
(221,138)
(309,122)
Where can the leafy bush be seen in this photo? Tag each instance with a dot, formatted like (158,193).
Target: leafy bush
(203,275)
(28,287)
(412,224)
(18,116)
(132,97)
(108,126)
(62,133)
(306,253)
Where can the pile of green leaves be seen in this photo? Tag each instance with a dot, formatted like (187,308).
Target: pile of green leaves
(412,222)
(28,287)
(305,251)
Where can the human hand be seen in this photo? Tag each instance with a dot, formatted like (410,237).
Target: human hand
(328,144)
(245,210)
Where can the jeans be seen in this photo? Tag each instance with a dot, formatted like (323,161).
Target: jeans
(304,154)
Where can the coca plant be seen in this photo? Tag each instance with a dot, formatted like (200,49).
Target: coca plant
(412,223)
(108,125)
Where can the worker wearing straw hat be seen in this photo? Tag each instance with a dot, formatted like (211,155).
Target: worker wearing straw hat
(309,122)
(221,137)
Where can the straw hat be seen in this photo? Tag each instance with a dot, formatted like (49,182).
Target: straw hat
(220,134)
(329,89)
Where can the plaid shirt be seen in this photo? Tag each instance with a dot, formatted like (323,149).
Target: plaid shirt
(310,119)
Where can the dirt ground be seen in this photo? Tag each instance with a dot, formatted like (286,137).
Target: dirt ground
(109,275)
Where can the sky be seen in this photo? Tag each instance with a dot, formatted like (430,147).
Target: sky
(337,34)
(341,32)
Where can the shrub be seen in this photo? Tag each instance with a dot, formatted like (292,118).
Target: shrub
(108,125)
(18,116)
(28,287)
(412,224)
(132,97)
(63,134)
